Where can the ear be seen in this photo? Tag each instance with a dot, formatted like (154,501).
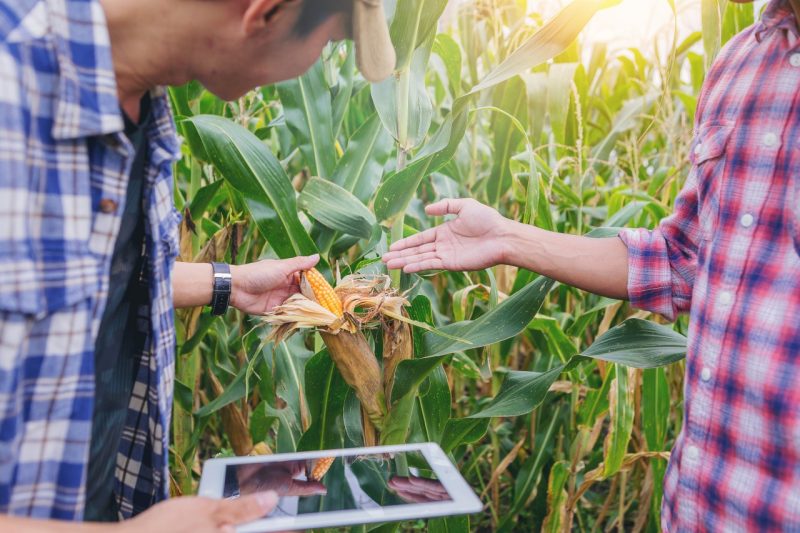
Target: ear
(255,15)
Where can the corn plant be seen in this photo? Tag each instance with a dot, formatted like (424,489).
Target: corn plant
(558,406)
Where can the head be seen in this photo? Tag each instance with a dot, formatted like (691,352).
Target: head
(247,43)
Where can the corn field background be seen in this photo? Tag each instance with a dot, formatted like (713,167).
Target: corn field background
(559,407)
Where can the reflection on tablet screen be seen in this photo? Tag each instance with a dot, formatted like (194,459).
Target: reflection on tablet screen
(352,482)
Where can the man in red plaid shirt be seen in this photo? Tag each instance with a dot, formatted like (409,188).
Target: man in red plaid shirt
(729,256)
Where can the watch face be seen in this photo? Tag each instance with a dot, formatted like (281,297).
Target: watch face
(221,292)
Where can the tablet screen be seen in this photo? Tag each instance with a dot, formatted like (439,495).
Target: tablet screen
(353,482)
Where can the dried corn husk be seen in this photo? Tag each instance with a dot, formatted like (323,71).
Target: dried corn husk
(398,345)
(357,363)
(298,312)
(366,301)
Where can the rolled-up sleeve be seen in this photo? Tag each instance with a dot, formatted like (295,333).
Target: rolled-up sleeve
(662,263)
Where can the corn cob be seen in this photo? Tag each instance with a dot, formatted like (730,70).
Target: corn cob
(320,468)
(321,291)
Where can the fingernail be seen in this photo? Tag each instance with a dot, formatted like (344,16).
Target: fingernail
(267,500)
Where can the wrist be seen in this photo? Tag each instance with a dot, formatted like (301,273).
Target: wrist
(236,285)
(520,244)
(508,238)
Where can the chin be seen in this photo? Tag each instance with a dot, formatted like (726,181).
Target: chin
(228,93)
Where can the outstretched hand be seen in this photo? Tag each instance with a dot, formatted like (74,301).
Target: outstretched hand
(471,241)
(258,287)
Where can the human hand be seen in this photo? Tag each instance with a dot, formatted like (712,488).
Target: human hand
(192,514)
(418,490)
(471,241)
(279,477)
(258,287)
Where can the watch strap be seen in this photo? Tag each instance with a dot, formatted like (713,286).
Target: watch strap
(221,293)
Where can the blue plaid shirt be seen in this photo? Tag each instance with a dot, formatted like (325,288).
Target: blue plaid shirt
(64,166)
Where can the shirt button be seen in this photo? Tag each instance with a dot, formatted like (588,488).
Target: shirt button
(698,149)
(692,453)
(770,139)
(794,60)
(725,297)
(108,206)
(705,374)
(747,220)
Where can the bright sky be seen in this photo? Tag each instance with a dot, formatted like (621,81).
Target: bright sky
(635,23)
(638,22)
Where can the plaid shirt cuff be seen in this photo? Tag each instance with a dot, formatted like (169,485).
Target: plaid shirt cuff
(649,272)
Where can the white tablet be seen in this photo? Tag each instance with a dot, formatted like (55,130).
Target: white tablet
(362,485)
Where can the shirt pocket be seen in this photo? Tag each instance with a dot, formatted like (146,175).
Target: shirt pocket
(709,157)
(45,224)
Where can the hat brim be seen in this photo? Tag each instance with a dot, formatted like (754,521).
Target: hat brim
(375,54)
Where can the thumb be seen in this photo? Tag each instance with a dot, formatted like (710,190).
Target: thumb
(301,262)
(450,206)
(245,509)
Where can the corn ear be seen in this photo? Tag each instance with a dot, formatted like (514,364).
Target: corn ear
(315,287)
(320,468)
(357,363)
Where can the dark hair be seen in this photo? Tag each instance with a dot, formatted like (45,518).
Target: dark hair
(315,12)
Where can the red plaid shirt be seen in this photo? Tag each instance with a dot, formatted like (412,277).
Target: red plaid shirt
(730,256)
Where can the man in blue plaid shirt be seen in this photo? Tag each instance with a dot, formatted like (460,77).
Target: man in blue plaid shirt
(89,237)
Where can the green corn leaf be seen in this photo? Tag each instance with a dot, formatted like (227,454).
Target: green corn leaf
(509,97)
(307,106)
(413,23)
(620,411)
(336,209)
(501,323)
(552,39)
(559,93)
(247,165)
(635,343)
(711,11)
(403,103)
(639,344)
(655,407)
(398,189)
(326,392)
(233,392)
(449,524)
(360,168)
(433,404)
(556,498)
(528,477)
(460,431)
(447,48)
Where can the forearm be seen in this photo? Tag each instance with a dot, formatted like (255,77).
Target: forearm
(31,525)
(599,266)
(192,284)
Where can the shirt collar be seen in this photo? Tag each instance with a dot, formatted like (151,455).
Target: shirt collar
(87,102)
(778,15)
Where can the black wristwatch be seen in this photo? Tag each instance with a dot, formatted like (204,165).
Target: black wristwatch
(221,296)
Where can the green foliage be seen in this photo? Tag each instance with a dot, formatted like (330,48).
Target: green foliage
(528,384)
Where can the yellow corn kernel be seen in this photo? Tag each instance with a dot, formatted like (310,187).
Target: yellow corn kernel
(321,467)
(323,292)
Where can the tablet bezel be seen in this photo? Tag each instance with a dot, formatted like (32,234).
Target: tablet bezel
(464,500)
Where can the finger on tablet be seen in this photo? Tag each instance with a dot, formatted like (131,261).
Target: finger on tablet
(246,508)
